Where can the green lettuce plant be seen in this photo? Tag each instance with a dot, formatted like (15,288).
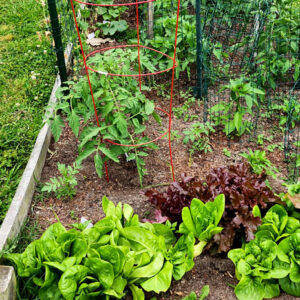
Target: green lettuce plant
(278,223)
(257,265)
(263,265)
(289,252)
(116,255)
(202,220)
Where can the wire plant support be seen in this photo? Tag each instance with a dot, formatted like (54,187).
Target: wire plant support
(139,75)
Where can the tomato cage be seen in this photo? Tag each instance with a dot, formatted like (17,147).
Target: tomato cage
(138,75)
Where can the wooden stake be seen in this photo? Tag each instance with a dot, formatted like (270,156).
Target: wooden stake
(150,20)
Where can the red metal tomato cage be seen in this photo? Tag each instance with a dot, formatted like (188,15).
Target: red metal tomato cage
(139,74)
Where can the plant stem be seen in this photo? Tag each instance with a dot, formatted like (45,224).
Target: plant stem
(156,185)
(198,248)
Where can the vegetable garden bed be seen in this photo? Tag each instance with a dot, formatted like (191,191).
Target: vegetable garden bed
(215,270)
(227,151)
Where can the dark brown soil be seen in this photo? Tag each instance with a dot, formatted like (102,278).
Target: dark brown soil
(124,186)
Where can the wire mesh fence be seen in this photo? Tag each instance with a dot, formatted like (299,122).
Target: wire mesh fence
(240,57)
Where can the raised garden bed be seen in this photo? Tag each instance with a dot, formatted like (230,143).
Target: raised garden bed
(208,152)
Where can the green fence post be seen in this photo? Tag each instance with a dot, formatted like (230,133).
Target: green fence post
(199,63)
(56,32)
(297,86)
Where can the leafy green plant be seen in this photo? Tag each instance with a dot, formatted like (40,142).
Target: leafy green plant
(197,136)
(110,22)
(164,37)
(227,152)
(73,215)
(289,252)
(203,294)
(260,163)
(256,268)
(243,97)
(278,223)
(288,112)
(260,139)
(183,111)
(63,186)
(276,60)
(293,188)
(202,220)
(124,112)
(292,197)
(272,147)
(116,255)
(263,265)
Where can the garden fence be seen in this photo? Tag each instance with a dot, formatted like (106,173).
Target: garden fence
(238,56)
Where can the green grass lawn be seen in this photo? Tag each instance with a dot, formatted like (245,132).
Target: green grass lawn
(27,74)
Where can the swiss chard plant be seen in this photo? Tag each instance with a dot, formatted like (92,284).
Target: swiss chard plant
(117,255)
(271,260)
(243,191)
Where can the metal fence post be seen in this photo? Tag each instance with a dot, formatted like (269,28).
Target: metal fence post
(199,62)
(56,32)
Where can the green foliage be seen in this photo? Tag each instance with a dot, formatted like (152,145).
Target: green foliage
(117,254)
(202,220)
(260,163)
(270,260)
(203,294)
(124,111)
(110,28)
(289,252)
(183,111)
(227,152)
(63,186)
(232,114)
(197,136)
(288,111)
(111,22)
(165,22)
(277,46)
(272,147)
(27,73)
(278,224)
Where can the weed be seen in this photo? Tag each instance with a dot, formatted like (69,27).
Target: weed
(227,152)
(197,136)
(73,215)
(64,185)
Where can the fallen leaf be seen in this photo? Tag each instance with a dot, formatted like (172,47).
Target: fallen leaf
(99,41)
